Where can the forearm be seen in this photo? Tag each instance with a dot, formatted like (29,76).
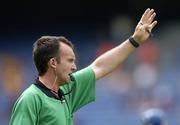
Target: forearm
(110,60)
(107,62)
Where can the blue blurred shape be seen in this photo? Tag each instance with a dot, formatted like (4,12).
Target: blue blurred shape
(153,117)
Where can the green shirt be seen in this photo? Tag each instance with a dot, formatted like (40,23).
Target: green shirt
(34,107)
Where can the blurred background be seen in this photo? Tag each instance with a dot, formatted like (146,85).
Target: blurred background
(149,78)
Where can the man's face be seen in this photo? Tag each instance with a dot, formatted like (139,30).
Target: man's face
(66,65)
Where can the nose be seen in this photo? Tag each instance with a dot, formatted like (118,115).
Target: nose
(74,67)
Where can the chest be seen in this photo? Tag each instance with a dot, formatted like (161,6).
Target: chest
(55,112)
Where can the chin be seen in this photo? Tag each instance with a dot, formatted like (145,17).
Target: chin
(67,80)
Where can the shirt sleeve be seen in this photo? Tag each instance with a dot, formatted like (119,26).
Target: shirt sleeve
(25,110)
(83,88)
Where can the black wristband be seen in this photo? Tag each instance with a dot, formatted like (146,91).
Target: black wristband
(133,42)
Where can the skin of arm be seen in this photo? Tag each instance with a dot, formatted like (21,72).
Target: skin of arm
(110,60)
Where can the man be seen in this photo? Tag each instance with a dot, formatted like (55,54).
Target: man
(58,92)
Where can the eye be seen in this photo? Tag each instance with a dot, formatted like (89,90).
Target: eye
(71,60)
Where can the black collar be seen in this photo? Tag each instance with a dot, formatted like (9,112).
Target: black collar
(48,91)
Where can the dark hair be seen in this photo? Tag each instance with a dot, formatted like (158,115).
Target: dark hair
(46,48)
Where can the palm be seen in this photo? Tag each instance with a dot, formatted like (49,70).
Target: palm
(145,26)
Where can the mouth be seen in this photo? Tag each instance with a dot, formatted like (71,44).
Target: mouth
(71,77)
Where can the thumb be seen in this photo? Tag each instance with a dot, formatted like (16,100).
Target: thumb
(152,25)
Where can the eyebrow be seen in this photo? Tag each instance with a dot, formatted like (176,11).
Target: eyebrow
(72,58)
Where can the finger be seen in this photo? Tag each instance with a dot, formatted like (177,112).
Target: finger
(149,21)
(145,14)
(153,25)
(152,17)
(148,16)
(150,13)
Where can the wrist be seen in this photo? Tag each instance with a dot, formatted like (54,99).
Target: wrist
(133,42)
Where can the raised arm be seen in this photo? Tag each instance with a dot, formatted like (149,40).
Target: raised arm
(110,60)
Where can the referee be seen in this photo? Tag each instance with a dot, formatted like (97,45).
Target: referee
(59,91)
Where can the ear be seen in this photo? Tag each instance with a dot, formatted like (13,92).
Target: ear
(53,63)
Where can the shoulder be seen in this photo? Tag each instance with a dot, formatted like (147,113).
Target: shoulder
(80,78)
(85,72)
(31,95)
(27,105)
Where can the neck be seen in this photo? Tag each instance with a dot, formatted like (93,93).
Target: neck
(50,82)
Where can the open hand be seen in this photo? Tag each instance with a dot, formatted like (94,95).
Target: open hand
(145,26)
